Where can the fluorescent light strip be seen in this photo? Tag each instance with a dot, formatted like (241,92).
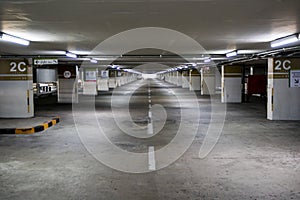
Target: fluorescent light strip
(93,61)
(207,60)
(231,54)
(14,39)
(239,52)
(285,41)
(71,55)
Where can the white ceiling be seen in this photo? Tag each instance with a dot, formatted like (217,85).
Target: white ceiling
(80,25)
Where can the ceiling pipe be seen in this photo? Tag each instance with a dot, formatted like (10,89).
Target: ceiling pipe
(261,55)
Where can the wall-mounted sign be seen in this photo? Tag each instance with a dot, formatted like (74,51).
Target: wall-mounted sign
(15,70)
(295,78)
(67,74)
(90,75)
(104,73)
(45,61)
(65,70)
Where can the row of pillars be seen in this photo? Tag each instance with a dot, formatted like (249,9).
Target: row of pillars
(16,85)
(91,81)
(192,79)
(283,85)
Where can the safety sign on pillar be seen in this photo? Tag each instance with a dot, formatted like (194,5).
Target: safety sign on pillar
(231,88)
(283,89)
(16,89)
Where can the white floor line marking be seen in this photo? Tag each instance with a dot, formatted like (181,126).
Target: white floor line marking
(172,92)
(151,158)
(150,129)
(149,100)
(150,106)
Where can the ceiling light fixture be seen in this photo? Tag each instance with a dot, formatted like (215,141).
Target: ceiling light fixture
(208,60)
(14,39)
(240,52)
(284,41)
(231,54)
(93,61)
(71,55)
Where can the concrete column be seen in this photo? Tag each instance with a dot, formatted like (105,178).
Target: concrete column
(119,78)
(16,89)
(90,81)
(125,78)
(112,82)
(231,84)
(67,84)
(168,77)
(283,89)
(174,78)
(102,82)
(179,78)
(208,81)
(195,80)
(185,79)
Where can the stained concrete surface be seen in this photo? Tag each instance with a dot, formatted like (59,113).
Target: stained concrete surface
(253,159)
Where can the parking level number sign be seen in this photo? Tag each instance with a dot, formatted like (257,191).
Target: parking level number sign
(295,78)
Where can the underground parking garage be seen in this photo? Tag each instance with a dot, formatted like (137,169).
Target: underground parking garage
(149,100)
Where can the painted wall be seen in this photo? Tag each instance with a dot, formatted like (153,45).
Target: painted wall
(46,75)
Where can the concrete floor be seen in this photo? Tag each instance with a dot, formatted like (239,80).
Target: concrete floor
(253,159)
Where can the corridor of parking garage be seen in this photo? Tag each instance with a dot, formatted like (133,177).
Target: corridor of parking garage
(149,100)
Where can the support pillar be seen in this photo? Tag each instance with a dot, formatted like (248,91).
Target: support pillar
(67,84)
(90,81)
(195,80)
(103,77)
(208,81)
(283,89)
(185,79)
(179,78)
(231,84)
(16,89)
(112,82)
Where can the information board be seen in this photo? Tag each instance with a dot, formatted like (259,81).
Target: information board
(294,78)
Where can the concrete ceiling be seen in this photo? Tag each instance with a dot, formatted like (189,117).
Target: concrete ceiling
(80,25)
